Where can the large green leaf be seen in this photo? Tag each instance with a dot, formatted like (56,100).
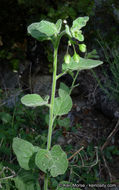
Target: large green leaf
(62,104)
(54,161)
(33,100)
(79,23)
(24,150)
(83,64)
(43,30)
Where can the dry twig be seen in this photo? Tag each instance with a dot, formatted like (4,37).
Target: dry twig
(76,153)
(107,167)
(111,135)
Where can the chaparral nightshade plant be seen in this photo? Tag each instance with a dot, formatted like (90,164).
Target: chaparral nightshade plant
(53,160)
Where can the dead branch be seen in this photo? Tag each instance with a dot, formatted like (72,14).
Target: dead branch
(76,153)
(111,135)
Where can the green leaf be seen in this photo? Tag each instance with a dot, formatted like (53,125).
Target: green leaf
(43,30)
(42,160)
(59,25)
(33,100)
(20,185)
(62,104)
(77,34)
(63,91)
(71,73)
(66,185)
(5,117)
(54,161)
(67,29)
(27,180)
(92,55)
(24,150)
(64,122)
(79,23)
(83,64)
(46,98)
(64,87)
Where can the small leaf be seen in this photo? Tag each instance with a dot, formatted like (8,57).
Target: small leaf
(79,23)
(62,104)
(59,25)
(71,73)
(46,98)
(5,117)
(92,55)
(54,161)
(77,34)
(64,122)
(24,151)
(68,30)
(33,100)
(43,30)
(64,87)
(83,64)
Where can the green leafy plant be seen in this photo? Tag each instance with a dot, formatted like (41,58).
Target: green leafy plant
(53,160)
(111,85)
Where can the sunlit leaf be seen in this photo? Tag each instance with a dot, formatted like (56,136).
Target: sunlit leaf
(24,151)
(43,30)
(62,104)
(54,161)
(59,25)
(34,100)
(77,34)
(83,64)
(68,31)
(64,87)
(79,23)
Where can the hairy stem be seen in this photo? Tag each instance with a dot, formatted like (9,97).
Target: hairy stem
(52,99)
(51,120)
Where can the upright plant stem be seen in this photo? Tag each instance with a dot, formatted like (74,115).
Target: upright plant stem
(52,99)
(51,107)
(46,182)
